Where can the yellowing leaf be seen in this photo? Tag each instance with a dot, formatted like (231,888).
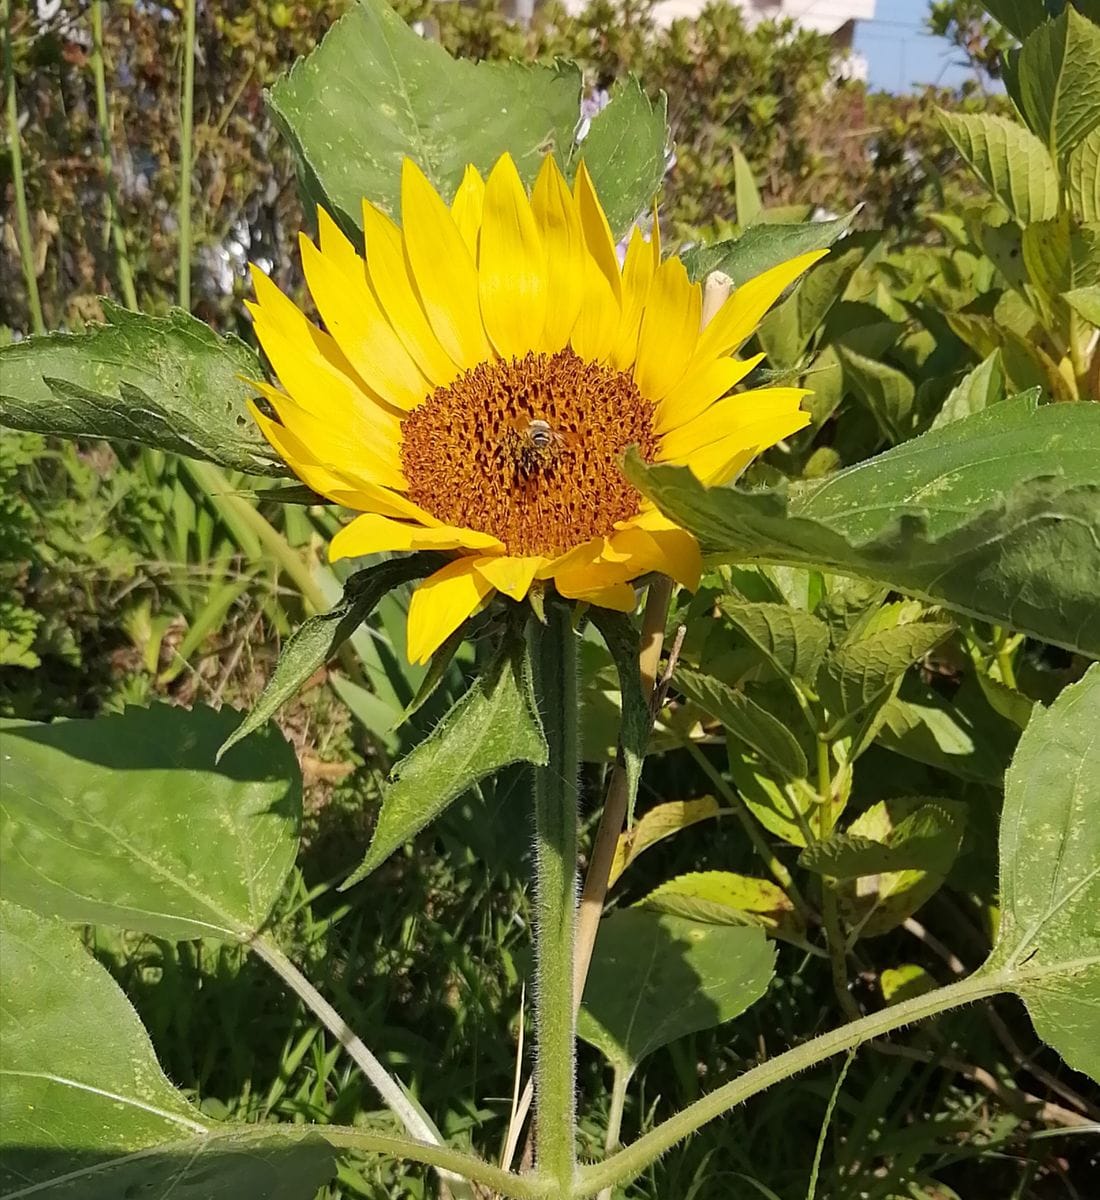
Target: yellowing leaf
(655,825)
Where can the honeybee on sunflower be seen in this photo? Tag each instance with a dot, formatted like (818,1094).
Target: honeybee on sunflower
(482,370)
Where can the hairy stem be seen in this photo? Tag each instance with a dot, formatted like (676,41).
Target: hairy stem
(19,184)
(554,668)
(615,1118)
(628,1163)
(830,913)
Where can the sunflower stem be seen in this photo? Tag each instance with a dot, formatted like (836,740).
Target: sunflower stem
(554,668)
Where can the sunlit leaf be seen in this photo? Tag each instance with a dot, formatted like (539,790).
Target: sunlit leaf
(726,898)
(905,982)
(657,823)
(1048,941)
(981,387)
(374,92)
(1058,80)
(85,1109)
(791,640)
(655,978)
(1082,173)
(1011,162)
(125,820)
(994,515)
(168,382)
(762,247)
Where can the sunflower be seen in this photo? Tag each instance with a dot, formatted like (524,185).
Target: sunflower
(480,374)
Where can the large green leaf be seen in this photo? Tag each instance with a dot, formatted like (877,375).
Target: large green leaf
(1058,80)
(124,820)
(995,515)
(762,247)
(1048,942)
(317,639)
(374,92)
(625,152)
(495,723)
(657,977)
(168,382)
(86,1113)
(1011,162)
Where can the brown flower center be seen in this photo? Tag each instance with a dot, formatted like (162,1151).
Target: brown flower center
(527,450)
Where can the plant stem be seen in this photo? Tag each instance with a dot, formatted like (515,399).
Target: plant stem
(628,1163)
(103,123)
(615,1118)
(1004,657)
(830,913)
(554,669)
(186,128)
(393,1094)
(22,220)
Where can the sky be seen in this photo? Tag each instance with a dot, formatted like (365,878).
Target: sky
(900,54)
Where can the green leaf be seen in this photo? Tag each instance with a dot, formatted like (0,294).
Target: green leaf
(1019,17)
(875,903)
(1086,303)
(791,810)
(1011,162)
(1058,75)
(1082,175)
(905,982)
(319,637)
(1048,943)
(726,898)
(981,387)
(862,674)
(124,820)
(762,247)
(962,736)
(994,515)
(624,151)
(85,1108)
(167,382)
(764,734)
(920,842)
(622,640)
(657,823)
(1047,254)
(887,392)
(495,723)
(745,193)
(791,640)
(374,93)
(655,978)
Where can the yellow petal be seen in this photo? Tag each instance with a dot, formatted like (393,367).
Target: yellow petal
(619,596)
(441,603)
(699,389)
(349,485)
(376,456)
(511,575)
(389,278)
(443,269)
(466,207)
(593,334)
(741,313)
(351,314)
(669,332)
(638,272)
(337,247)
(597,232)
(372,533)
(563,241)
(668,549)
(512,277)
(745,411)
(718,461)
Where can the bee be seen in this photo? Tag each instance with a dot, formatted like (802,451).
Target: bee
(536,443)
